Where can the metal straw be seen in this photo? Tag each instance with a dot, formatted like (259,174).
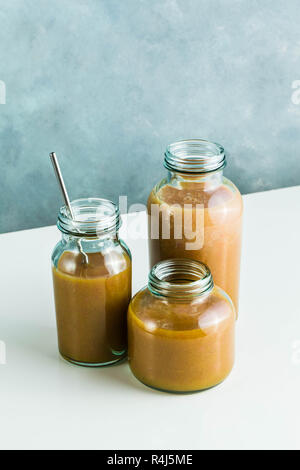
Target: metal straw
(61,183)
(65,195)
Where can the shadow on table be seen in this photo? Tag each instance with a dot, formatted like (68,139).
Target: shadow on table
(117,375)
(31,341)
(39,345)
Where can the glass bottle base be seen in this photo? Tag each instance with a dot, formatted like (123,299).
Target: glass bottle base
(94,365)
(181,392)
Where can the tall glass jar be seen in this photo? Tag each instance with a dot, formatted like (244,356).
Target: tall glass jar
(195,212)
(181,329)
(92,284)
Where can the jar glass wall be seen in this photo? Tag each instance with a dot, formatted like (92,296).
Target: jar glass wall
(195,212)
(181,329)
(92,284)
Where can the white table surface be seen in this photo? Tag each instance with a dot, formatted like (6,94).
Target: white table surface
(49,404)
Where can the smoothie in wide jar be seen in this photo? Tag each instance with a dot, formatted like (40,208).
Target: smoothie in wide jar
(197,213)
(181,329)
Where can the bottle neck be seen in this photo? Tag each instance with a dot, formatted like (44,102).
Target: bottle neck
(93,219)
(89,239)
(180,279)
(203,181)
(194,157)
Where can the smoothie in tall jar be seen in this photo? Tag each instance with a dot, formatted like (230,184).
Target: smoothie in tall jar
(197,213)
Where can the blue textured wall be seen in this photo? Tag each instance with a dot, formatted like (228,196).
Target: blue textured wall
(108,83)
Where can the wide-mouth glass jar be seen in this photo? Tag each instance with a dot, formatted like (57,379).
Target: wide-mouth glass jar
(195,212)
(181,329)
(92,284)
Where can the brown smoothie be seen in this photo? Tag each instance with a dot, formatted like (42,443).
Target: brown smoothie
(181,346)
(91,300)
(217,223)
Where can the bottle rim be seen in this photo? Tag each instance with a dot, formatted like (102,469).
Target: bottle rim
(194,156)
(93,217)
(180,278)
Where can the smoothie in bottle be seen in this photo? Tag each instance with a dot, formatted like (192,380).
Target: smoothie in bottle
(197,213)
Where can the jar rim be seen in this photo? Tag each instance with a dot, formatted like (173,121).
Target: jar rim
(180,278)
(92,217)
(194,156)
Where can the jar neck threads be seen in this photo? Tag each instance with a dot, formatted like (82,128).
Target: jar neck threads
(194,156)
(180,278)
(93,218)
